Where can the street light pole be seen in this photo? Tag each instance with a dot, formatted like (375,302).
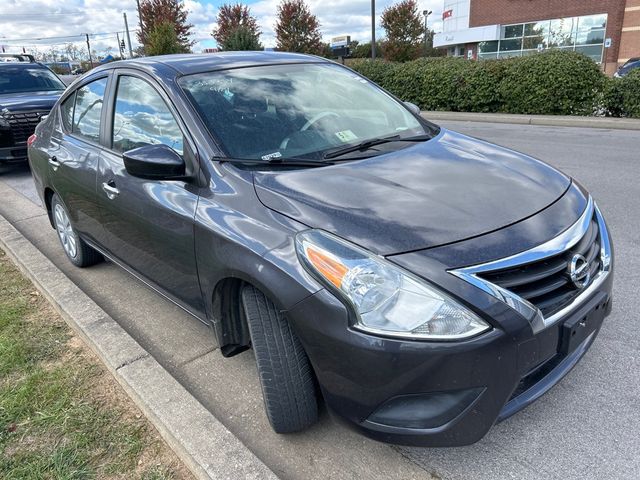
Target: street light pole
(373,29)
(426,14)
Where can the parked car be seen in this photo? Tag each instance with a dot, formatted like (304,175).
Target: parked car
(628,66)
(425,284)
(28,90)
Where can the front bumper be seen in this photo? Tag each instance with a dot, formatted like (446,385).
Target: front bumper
(13,155)
(433,393)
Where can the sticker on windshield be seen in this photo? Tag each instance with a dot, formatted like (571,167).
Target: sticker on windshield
(346,136)
(272,155)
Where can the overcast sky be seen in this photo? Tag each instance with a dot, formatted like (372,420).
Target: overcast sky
(24,22)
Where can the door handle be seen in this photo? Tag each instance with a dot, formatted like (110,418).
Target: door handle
(110,189)
(53,161)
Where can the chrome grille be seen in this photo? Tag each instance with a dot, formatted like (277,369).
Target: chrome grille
(537,283)
(22,124)
(547,283)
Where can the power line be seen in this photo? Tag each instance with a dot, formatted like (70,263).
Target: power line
(59,37)
(55,14)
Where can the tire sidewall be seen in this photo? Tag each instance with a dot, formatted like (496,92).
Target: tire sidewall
(77,260)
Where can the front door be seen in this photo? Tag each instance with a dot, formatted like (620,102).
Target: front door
(149,224)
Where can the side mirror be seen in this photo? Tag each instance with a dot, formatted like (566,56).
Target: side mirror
(155,162)
(413,107)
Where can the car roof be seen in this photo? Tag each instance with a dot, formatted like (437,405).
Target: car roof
(187,64)
(22,64)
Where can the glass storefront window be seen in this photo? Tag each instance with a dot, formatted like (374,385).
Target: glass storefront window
(592,22)
(516,53)
(582,34)
(532,43)
(488,47)
(512,31)
(537,29)
(562,32)
(510,45)
(590,37)
(593,51)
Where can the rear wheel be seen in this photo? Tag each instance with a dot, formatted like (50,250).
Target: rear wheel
(287,380)
(80,254)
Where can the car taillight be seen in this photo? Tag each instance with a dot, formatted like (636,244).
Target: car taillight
(31,139)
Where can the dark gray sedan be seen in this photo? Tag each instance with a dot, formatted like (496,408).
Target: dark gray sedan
(423,283)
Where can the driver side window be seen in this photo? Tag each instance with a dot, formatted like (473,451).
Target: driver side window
(141,117)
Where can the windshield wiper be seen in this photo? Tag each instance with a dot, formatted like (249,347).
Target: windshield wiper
(367,144)
(281,161)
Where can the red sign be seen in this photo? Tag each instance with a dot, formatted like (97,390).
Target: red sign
(447,14)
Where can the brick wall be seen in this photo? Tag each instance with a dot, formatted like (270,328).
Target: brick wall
(630,40)
(490,12)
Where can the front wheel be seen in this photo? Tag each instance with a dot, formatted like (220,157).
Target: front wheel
(80,254)
(286,377)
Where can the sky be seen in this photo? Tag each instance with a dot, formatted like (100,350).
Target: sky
(27,22)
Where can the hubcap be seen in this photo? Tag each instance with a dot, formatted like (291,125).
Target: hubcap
(65,231)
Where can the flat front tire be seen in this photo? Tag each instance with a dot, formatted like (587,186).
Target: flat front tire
(286,377)
(76,249)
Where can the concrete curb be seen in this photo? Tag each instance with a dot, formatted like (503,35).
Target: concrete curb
(549,120)
(204,444)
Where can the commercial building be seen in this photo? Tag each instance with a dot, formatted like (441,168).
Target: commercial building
(608,31)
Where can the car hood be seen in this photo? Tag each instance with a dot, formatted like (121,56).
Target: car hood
(448,189)
(29,101)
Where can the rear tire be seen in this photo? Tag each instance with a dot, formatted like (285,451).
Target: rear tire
(286,377)
(76,249)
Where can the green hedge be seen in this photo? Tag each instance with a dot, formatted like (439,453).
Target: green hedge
(622,97)
(552,83)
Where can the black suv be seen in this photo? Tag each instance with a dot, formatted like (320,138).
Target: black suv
(28,91)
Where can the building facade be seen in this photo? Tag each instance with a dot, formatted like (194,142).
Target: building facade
(608,31)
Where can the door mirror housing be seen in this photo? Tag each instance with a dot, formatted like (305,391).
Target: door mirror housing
(413,107)
(155,162)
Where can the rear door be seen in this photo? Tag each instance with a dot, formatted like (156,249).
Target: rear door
(74,153)
(149,224)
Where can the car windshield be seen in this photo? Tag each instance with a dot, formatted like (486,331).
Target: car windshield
(19,78)
(296,110)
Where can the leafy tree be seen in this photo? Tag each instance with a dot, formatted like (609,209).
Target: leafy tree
(297,29)
(242,38)
(156,12)
(404,29)
(163,40)
(363,50)
(236,28)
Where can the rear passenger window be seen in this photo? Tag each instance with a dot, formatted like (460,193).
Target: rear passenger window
(86,115)
(66,111)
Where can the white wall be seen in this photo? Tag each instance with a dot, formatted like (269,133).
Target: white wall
(459,20)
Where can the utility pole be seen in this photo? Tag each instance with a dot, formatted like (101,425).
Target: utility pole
(126,28)
(373,29)
(140,19)
(89,48)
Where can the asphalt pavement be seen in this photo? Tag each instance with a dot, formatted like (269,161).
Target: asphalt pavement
(585,428)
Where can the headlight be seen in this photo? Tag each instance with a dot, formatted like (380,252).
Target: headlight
(387,300)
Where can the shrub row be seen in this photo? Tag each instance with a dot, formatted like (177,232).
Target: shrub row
(551,83)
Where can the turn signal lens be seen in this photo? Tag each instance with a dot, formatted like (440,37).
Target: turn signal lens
(330,268)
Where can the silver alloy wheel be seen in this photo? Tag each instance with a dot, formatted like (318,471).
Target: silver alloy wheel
(65,231)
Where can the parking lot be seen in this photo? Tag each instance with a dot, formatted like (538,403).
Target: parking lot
(586,427)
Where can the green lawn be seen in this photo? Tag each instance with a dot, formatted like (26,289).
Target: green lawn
(62,415)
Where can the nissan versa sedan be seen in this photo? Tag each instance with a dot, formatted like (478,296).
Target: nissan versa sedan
(423,283)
